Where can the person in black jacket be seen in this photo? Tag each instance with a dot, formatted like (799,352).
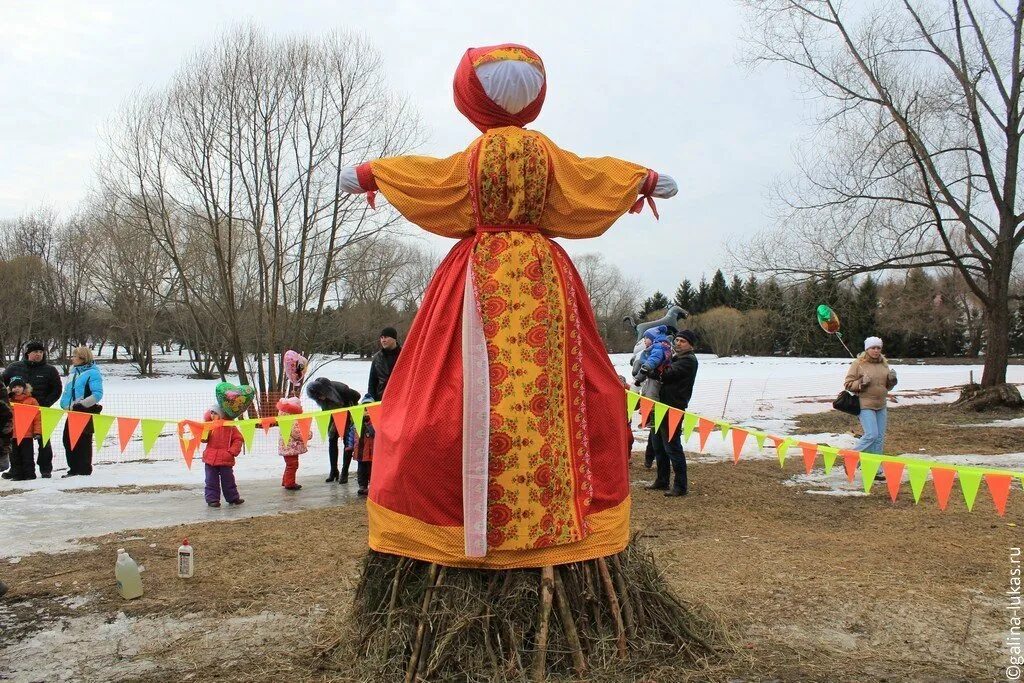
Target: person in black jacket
(6,431)
(676,389)
(383,362)
(330,395)
(46,388)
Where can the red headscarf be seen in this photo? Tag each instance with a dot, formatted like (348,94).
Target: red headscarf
(472,100)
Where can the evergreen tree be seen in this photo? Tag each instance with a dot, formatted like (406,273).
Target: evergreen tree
(700,302)
(737,294)
(752,294)
(655,302)
(685,296)
(718,292)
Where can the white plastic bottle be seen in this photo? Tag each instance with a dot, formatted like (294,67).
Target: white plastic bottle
(185,560)
(126,571)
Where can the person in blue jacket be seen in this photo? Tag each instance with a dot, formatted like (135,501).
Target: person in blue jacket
(83,393)
(658,355)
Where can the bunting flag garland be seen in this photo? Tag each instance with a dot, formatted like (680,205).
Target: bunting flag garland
(998,481)
(284,423)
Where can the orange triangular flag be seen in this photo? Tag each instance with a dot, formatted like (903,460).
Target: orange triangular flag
(340,418)
(188,446)
(850,460)
(739,436)
(24,414)
(76,423)
(942,479)
(893,477)
(704,428)
(675,416)
(810,453)
(646,405)
(267,423)
(999,487)
(125,428)
(305,428)
(373,410)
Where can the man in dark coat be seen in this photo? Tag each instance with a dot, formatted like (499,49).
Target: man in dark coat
(46,388)
(676,389)
(383,362)
(330,395)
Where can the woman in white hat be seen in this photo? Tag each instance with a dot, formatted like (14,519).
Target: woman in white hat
(870,378)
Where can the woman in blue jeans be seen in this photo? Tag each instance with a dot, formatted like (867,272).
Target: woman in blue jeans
(871,379)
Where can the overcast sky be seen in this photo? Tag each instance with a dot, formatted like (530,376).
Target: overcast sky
(655,83)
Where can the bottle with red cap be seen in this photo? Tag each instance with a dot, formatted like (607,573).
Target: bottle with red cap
(185,560)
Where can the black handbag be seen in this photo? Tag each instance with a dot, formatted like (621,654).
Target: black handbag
(847,403)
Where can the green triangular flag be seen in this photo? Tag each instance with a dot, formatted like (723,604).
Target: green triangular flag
(248,431)
(150,430)
(828,456)
(101,424)
(918,475)
(725,427)
(781,450)
(284,423)
(323,423)
(659,414)
(868,469)
(759,438)
(689,423)
(632,398)
(49,417)
(969,482)
(355,413)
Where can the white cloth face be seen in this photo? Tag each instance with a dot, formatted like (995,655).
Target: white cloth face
(349,181)
(665,188)
(511,84)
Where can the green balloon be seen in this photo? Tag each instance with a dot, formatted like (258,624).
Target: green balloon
(824,313)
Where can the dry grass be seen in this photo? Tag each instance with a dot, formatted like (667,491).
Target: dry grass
(928,429)
(811,587)
(11,492)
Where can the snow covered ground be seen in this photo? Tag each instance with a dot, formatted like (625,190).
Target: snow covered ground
(762,393)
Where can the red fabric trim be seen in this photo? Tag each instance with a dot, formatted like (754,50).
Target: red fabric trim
(650,182)
(364,174)
(481,110)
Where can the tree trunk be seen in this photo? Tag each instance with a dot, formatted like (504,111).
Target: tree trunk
(997,322)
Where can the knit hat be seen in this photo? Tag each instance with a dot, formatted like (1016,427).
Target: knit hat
(35,346)
(17,382)
(212,414)
(289,406)
(872,341)
(389,332)
(689,336)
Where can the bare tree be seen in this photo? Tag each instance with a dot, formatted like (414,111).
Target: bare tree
(917,159)
(722,328)
(612,297)
(234,171)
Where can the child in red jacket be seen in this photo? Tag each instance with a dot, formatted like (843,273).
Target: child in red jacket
(23,464)
(223,444)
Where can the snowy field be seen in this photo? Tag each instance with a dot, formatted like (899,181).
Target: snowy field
(50,514)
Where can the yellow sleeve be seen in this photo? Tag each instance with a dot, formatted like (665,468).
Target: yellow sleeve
(432,193)
(587,195)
